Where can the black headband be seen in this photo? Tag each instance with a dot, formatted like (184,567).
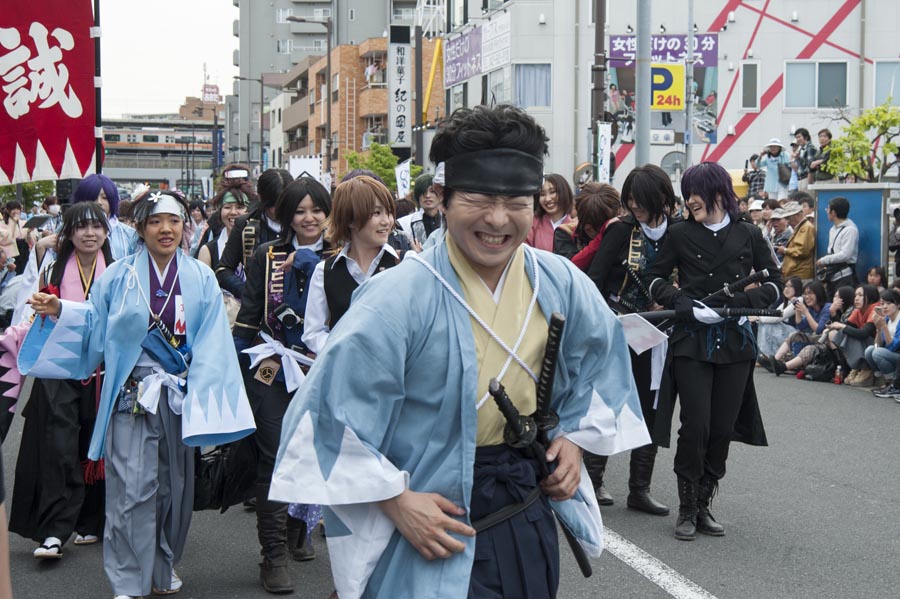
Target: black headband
(497,171)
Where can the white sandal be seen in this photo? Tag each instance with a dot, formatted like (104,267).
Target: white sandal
(51,548)
(174,586)
(81,539)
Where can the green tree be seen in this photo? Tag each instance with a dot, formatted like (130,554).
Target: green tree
(868,146)
(381,161)
(31,192)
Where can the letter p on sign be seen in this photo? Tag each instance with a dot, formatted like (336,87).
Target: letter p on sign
(667,87)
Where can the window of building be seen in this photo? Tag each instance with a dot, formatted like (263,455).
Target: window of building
(321,13)
(492,4)
(457,12)
(533,86)
(404,14)
(887,82)
(284,46)
(283,14)
(335,86)
(458,96)
(279,116)
(812,84)
(319,46)
(496,87)
(351,14)
(750,86)
(112,137)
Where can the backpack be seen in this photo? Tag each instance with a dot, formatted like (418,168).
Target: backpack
(822,365)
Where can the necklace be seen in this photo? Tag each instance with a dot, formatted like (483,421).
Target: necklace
(86,281)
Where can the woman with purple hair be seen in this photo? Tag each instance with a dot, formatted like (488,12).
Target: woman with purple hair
(102,189)
(710,361)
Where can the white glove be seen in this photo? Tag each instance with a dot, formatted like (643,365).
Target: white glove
(705,314)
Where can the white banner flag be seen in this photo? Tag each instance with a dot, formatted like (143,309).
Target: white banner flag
(402,173)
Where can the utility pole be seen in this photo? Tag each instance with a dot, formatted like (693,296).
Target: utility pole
(689,92)
(642,85)
(598,76)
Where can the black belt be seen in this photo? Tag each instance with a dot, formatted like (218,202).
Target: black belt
(507,512)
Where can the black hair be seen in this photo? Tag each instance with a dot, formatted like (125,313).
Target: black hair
(199,205)
(143,206)
(421,185)
(826,132)
(870,294)
(797,284)
(482,127)
(879,270)
(77,215)
(651,189)
(819,291)
(840,206)
(804,132)
(890,295)
(9,207)
(845,292)
(294,193)
(564,197)
(712,183)
(800,197)
(754,157)
(270,185)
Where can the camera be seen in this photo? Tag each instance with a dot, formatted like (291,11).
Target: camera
(286,316)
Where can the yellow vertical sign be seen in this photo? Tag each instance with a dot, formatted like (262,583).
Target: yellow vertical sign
(667,87)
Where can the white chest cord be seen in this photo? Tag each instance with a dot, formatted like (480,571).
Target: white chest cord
(511,352)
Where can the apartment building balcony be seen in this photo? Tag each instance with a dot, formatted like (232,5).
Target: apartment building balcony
(296,114)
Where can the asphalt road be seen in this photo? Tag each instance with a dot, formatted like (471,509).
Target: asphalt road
(815,515)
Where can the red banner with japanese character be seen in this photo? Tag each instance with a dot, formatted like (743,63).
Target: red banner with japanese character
(47,106)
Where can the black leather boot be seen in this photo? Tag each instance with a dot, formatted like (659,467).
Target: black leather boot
(639,498)
(271,522)
(299,546)
(705,521)
(686,525)
(596,467)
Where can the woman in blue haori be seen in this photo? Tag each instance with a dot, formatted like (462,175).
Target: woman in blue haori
(157,320)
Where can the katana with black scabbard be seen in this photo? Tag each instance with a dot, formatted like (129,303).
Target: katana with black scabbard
(727,290)
(662,315)
(514,422)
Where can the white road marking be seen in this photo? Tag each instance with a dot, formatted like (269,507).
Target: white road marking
(652,569)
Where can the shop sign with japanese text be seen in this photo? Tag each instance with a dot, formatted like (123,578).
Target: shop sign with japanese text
(400,116)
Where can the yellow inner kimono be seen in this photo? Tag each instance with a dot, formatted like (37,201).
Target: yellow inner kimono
(506,318)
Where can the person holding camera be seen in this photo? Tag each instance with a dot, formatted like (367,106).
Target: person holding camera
(776,161)
(269,327)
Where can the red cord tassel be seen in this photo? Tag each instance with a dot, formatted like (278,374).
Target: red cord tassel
(93,471)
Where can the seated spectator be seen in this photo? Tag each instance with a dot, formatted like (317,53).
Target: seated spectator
(882,357)
(769,207)
(773,330)
(755,212)
(597,206)
(852,335)
(811,315)
(807,351)
(876,276)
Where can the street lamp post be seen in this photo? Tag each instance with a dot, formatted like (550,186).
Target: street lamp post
(262,99)
(328,26)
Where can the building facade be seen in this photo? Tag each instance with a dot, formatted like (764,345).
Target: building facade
(271,44)
(772,67)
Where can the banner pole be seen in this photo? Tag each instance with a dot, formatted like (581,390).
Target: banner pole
(98,144)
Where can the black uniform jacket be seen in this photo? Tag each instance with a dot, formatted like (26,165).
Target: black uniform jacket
(706,261)
(233,254)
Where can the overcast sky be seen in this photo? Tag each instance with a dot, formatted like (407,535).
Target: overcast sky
(153,52)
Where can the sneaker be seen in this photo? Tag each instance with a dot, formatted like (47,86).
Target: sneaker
(851,377)
(888,391)
(865,378)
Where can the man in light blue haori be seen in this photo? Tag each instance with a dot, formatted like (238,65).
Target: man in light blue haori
(394,430)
